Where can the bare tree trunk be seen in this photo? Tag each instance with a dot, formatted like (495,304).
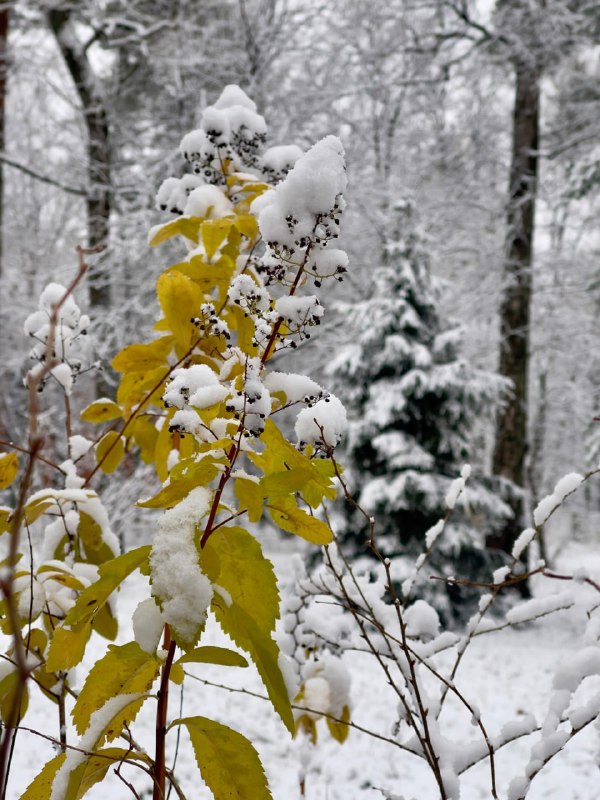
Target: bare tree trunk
(511,426)
(99,196)
(4,19)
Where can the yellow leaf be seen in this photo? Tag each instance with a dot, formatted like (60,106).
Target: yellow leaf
(228,763)
(180,299)
(110,575)
(184,226)
(105,623)
(308,725)
(213,655)
(110,451)
(91,536)
(145,435)
(9,467)
(287,516)
(198,473)
(233,559)
(177,675)
(214,232)
(103,410)
(251,497)
(247,225)
(10,687)
(340,730)
(35,508)
(142,388)
(41,786)
(142,357)
(125,669)
(4,519)
(67,647)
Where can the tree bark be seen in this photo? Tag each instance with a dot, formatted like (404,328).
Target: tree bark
(4,20)
(511,425)
(99,194)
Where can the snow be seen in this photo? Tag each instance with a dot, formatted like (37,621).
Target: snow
(566,485)
(207,201)
(78,446)
(99,721)
(295,387)
(196,386)
(148,624)
(323,423)
(422,621)
(298,311)
(522,542)
(184,592)
(454,491)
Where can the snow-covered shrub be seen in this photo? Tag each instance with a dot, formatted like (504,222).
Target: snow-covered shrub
(197,400)
(419,661)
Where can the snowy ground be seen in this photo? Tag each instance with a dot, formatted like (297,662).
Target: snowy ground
(508,674)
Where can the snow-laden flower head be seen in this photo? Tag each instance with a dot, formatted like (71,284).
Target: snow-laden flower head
(58,316)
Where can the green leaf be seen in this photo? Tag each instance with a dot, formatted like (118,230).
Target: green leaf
(213,655)
(251,497)
(9,467)
(110,451)
(286,515)
(125,669)
(111,574)
(228,763)
(103,410)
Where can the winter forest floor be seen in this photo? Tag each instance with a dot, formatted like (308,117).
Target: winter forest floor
(506,674)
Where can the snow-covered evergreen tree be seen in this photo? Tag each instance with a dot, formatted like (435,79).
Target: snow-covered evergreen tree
(414,403)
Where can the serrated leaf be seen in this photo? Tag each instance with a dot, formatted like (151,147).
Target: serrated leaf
(41,786)
(196,473)
(214,232)
(85,770)
(110,451)
(287,516)
(125,669)
(9,467)
(340,730)
(180,299)
(251,497)
(233,559)
(228,762)
(103,410)
(213,655)
(67,647)
(143,357)
(110,575)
